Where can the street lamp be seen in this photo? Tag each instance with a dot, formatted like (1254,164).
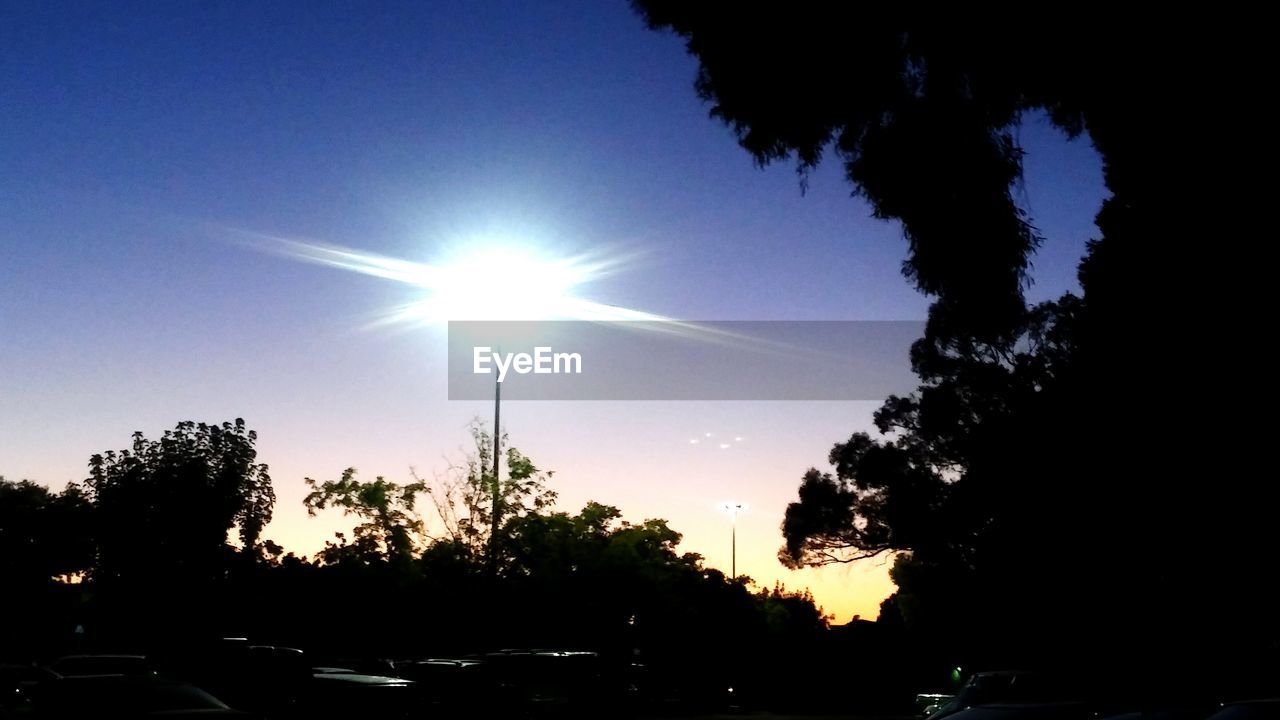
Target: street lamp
(733,508)
(497,453)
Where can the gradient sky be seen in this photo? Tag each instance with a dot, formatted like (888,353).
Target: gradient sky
(141,142)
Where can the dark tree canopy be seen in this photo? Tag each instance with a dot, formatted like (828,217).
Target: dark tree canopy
(167,505)
(1044,487)
(913,489)
(920,109)
(42,533)
(388,520)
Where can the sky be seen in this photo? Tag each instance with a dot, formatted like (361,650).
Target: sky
(142,143)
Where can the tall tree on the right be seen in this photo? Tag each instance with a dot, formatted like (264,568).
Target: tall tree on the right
(1046,488)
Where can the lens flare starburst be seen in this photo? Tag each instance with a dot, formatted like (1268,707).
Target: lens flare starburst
(484,282)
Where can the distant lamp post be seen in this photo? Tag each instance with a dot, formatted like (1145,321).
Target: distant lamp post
(733,508)
(497,451)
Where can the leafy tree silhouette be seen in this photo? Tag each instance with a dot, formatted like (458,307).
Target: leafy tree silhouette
(462,499)
(165,507)
(1038,486)
(43,534)
(389,521)
(460,528)
(45,539)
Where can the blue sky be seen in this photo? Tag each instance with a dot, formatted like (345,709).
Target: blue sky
(140,141)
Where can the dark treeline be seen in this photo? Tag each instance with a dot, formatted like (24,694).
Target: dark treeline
(139,558)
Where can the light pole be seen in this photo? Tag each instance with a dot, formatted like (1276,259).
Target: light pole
(497,466)
(733,508)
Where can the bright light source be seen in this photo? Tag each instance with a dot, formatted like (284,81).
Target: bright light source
(490,281)
(486,282)
(504,285)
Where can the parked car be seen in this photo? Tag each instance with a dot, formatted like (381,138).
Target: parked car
(546,679)
(447,682)
(263,679)
(1161,714)
(81,665)
(126,697)
(1025,711)
(19,682)
(1005,687)
(352,695)
(928,703)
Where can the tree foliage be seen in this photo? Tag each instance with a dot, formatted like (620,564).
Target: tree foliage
(919,108)
(462,503)
(167,505)
(1041,486)
(463,498)
(911,489)
(389,523)
(43,534)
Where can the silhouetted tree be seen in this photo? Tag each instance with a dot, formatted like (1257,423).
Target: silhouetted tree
(46,545)
(389,522)
(463,498)
(791,614)
(920,109)
(1029,485)
(913,490)
(43,534)
(164,507)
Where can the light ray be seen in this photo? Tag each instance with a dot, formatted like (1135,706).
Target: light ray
(499,282)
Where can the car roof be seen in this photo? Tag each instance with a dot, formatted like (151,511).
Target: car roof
(102,656)
(361,679)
